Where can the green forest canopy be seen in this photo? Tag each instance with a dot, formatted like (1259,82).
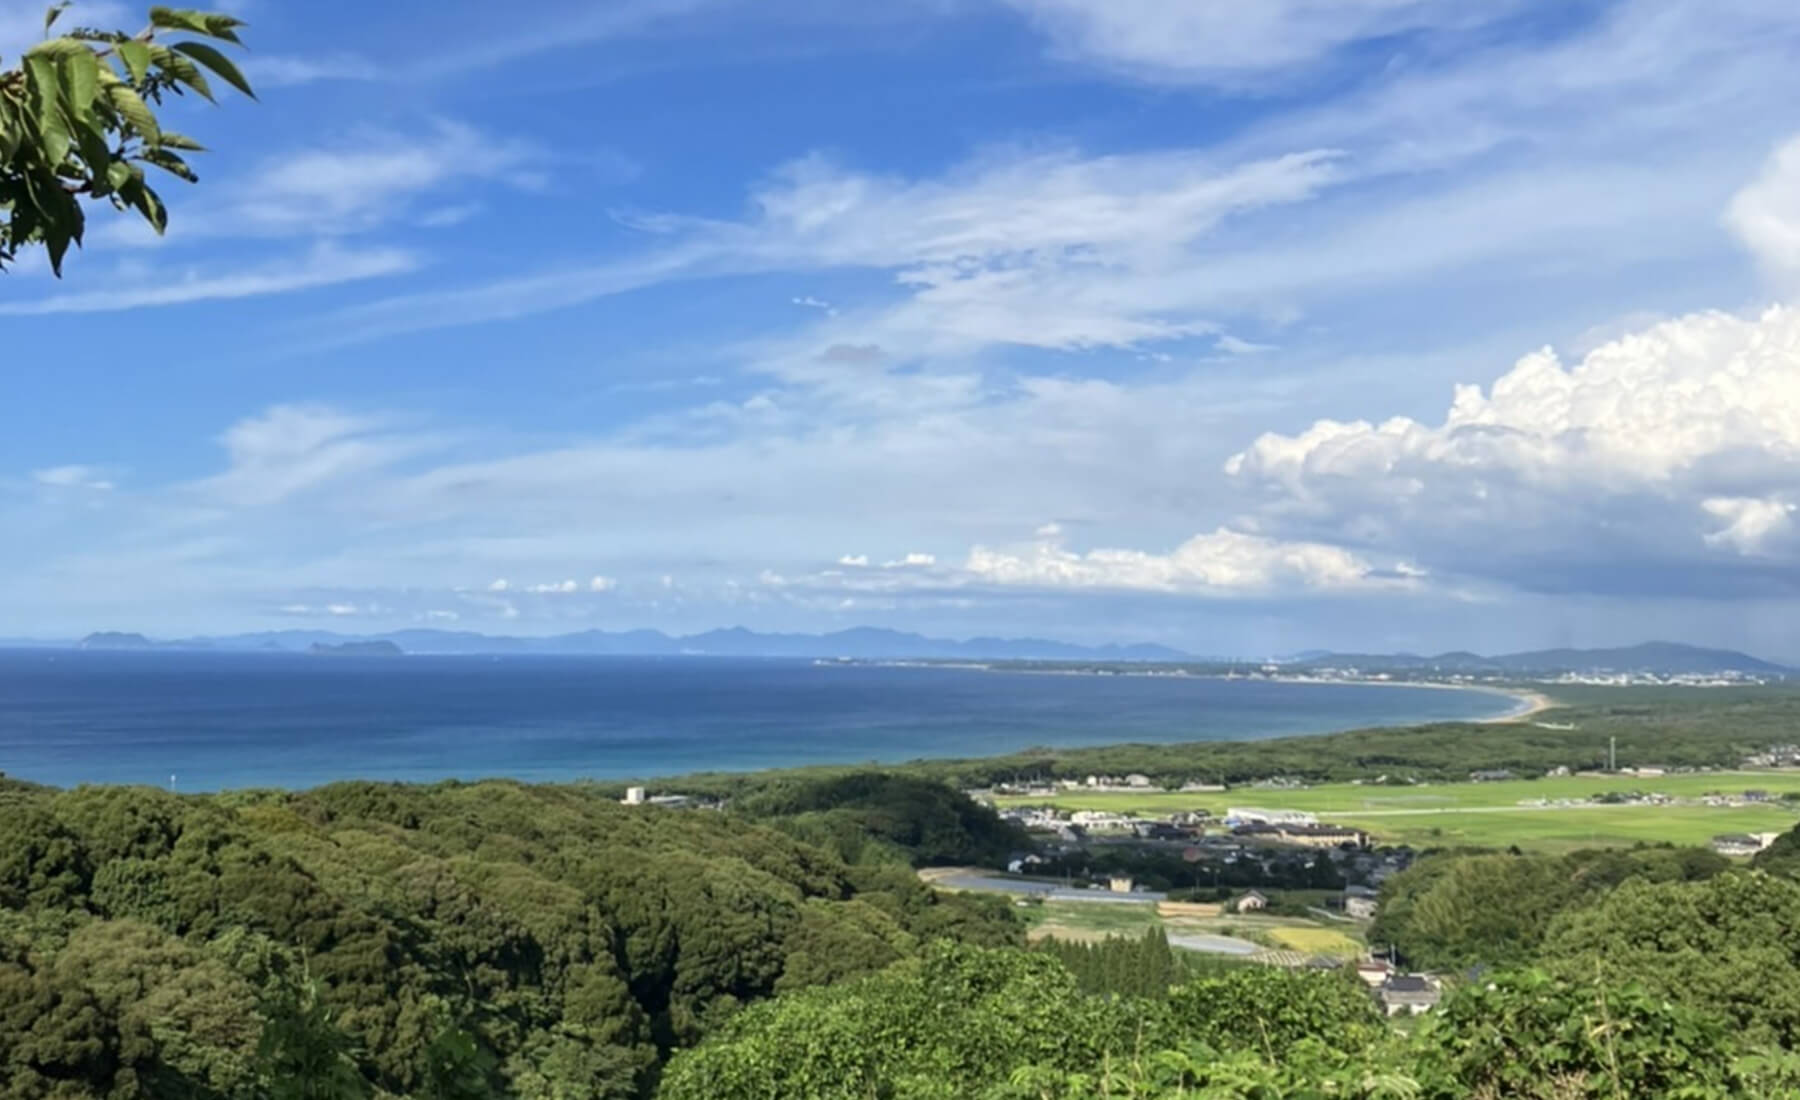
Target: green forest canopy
(504,940)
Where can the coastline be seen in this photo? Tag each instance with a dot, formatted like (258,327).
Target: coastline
(1526,701)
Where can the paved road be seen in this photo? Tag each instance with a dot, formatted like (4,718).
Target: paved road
(1050,891)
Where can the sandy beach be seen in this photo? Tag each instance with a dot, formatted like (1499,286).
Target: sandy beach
(1530,703)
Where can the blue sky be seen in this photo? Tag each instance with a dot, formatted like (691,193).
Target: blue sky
(1362,323)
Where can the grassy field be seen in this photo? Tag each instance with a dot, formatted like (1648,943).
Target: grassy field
(1495,814)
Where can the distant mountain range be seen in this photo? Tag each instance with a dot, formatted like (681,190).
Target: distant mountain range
(1656,658)
(865,643)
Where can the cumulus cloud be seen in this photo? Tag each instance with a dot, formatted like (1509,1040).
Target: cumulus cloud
(500,585)
(602,584)
(1612,471)
(1765,214)
(554,588)
(1222,562)
(914,560)
(856,561)
(1751,525)
(336,609)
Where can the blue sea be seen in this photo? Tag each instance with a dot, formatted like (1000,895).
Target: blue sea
(206,721)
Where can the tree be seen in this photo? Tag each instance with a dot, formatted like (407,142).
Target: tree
(1725,945)
(76,123)
(302,1054)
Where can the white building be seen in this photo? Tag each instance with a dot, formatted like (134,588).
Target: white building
(1252,815)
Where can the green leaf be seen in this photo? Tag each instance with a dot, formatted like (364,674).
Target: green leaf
(52,12)
(179,19)
(136,56)
(96,154)
(223,26)
(170,163)
(182,69)
(58,48)
(173,140)
(218,63)
(139,195)
(132,108)
(81,82)
(53,128)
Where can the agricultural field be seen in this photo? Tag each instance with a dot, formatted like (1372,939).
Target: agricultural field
(1281,940)
(1316,941)
(1087,921)
(1496,814)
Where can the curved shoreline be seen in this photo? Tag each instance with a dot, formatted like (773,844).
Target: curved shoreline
(1526,701)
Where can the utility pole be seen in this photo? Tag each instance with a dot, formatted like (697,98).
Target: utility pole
(1612,754)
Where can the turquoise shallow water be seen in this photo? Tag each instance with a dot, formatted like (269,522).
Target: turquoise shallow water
(236,720)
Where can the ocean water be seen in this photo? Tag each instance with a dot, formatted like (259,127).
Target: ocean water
(211,721)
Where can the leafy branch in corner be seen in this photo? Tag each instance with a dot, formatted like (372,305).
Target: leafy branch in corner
(76,122)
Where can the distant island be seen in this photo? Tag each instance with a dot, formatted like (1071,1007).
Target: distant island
(114,639)
(357,649)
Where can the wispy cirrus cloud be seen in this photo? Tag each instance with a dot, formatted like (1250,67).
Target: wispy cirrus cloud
(1219,42)
(204,282)
(1011,248)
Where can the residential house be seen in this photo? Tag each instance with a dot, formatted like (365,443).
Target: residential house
(1374,972)
(1360,908)
(1408,994)
(1251,902)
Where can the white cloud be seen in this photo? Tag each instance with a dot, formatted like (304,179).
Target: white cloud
(1221,562)
(554,588)
(1232,345)
(1750,523)
(1232,43)
(322,266)
(336,609)
(602,584)
(1629,457)
(500,585)
(1015,247)
(1765,215)
(73,477)
(856,561)
(914,560)
(361,182)
(291,449)
(283,72)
